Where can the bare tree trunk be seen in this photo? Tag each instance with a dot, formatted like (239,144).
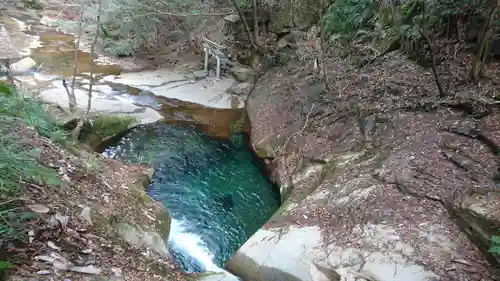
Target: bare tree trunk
(81,122)
(484,58)
(394,10)
(255,18)
(71,95)
(322,43)
(245,24)
(93,56)
(482,42)
(435,71)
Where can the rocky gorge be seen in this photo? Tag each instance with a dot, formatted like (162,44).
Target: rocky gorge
(379,179)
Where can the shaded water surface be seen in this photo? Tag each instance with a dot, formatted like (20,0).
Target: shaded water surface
(215,190)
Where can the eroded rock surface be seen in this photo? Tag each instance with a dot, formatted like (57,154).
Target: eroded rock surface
(375,185)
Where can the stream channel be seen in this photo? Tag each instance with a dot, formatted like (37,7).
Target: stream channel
(214,187)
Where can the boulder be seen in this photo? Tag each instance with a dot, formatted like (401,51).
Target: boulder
(287,41)
(376,199)
(23,65)
(480,213)
(242,74)
(232,18)
(240,89)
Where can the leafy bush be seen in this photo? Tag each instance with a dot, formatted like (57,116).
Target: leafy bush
(32,4)
(347,17)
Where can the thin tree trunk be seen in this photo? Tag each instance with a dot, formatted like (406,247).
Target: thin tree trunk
(394,10)
(484,58)
(81,122)
(245,24)
(322,43)
(72,98)
(255,19)
(92,56)
(435,71)
(483,40)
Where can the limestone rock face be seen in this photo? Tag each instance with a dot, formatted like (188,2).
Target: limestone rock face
(380,196)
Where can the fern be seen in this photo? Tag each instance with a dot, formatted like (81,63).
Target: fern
(495,245)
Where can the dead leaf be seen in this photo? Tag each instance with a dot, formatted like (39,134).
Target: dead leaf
(90,269)
(61,266)
(45,259)
(116,271)
(86,214)
(63,220)
(53,246)
(87,251)
(39,209)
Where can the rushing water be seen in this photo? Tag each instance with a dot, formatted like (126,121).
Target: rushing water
(214,190)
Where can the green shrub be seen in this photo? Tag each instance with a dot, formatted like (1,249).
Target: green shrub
(32,4)
(347,17)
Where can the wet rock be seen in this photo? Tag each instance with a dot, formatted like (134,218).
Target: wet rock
(23,65)
(242,74)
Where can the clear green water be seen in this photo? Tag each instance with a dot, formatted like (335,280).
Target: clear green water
(214,190)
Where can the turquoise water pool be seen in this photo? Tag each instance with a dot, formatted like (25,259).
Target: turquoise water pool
(215,190)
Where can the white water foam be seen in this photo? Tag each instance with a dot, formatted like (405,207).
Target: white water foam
(193,245)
